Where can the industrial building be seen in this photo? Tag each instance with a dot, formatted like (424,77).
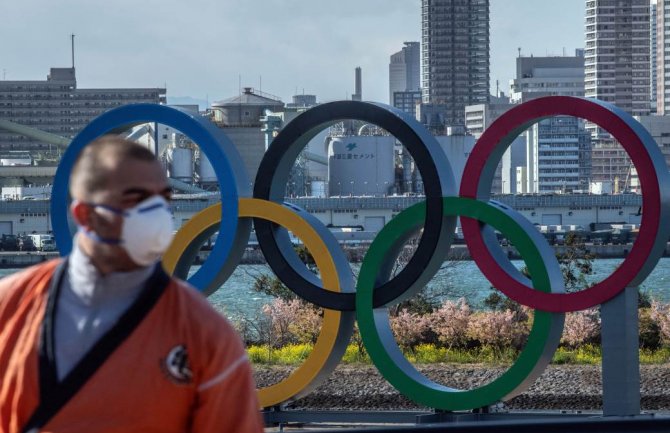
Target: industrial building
(240,118)
(455,62)
(57,106)
(361,165)
(369,214)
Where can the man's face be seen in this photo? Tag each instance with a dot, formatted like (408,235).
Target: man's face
(130,182)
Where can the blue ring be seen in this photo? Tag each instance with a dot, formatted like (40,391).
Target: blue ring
(213,143)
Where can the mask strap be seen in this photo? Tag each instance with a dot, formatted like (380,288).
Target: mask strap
(151,207)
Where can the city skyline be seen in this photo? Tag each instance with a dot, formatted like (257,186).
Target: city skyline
(201,49)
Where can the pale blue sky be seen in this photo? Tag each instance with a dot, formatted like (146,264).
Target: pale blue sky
(199,48)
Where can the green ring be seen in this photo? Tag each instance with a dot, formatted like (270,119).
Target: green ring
(384,351)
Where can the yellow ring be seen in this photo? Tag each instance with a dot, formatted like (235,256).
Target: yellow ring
(324,356)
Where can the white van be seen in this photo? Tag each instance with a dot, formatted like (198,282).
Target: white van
(43,242)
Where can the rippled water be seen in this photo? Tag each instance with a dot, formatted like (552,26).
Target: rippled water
(237,298)
(453,281)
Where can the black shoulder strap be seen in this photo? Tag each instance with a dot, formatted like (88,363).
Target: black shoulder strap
(55,394)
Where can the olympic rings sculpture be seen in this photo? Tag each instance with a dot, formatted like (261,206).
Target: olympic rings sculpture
(367,299)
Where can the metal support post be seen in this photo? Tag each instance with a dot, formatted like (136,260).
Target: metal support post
(620,363)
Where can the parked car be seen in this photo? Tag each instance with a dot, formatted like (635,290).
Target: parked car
(9,243)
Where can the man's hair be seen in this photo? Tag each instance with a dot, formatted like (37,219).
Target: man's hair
(95,162)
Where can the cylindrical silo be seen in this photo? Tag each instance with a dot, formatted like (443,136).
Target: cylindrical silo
(180,162)
(360,165)
(206,171)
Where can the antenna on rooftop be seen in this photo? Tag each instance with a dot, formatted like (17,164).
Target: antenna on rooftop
(72,41)
(519,51)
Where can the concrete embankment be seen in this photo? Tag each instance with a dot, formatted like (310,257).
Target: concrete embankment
(23,259)
(20,259)
(460,252)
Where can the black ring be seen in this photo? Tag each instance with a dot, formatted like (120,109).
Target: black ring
(438,181)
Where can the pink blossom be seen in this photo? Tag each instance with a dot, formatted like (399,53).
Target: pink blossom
(409,328)
(580,327)
(450,322)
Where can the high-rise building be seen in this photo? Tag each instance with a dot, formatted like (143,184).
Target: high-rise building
(558,155)
(611,164)
(653,23)
(663,58)
(455,56)
(480,116)
(57,106)
(548,76)
(405,69)
(617,55)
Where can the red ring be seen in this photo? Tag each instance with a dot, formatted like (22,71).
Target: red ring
(498,136)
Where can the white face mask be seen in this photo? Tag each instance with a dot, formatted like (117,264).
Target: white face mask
(146,232)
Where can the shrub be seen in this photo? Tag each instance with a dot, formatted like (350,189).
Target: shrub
(660,356)
(563,356)
(650,331)
(428,354)
(588,354)
(291,354)
(498,329)
(450,323)
(660,313)
(409,328)
(291,322)
(581,327)
(355,355)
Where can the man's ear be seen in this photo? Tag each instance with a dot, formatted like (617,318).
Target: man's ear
(81,213)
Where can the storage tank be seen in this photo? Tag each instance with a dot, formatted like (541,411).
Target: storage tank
(360,165)
(180,163)
(206,171)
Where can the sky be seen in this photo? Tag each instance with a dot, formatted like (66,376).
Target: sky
(204,49)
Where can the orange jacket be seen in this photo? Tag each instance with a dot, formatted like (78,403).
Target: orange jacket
(171,364)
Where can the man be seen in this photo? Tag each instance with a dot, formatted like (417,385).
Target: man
(104,340)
